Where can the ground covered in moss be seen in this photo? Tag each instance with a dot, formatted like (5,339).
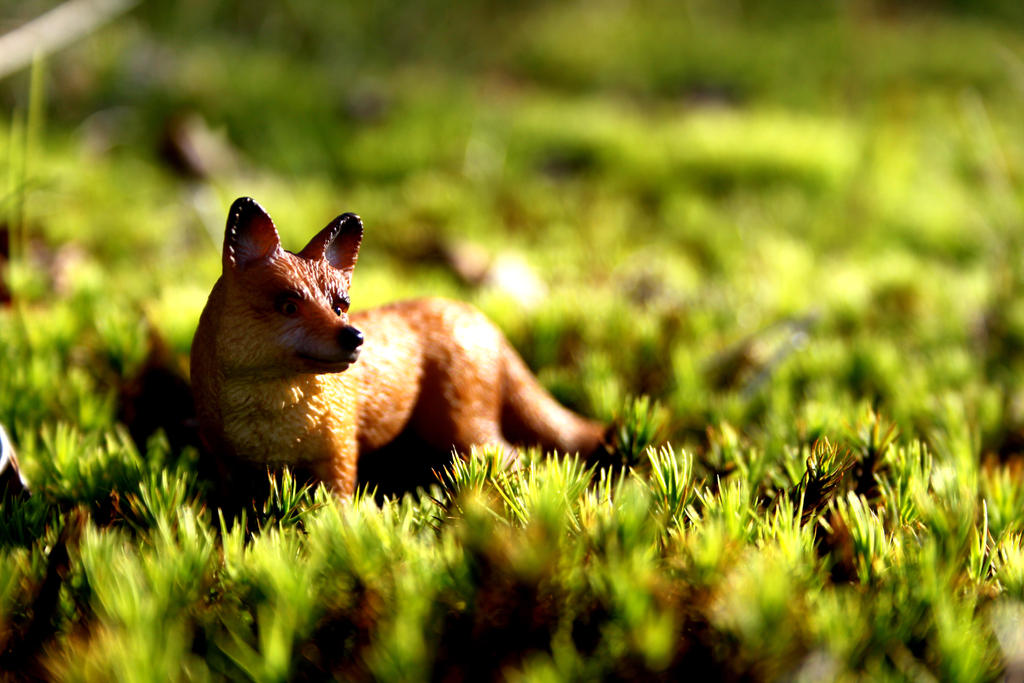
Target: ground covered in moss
(778,245)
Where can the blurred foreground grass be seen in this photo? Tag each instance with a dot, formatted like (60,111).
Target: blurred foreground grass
(798,232)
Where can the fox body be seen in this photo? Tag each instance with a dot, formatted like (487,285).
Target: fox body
(282,374)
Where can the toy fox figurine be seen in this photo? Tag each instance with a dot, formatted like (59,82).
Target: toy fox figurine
(282,375)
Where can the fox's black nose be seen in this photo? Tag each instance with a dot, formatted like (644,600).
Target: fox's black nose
(350,338)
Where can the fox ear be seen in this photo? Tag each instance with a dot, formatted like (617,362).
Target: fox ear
(250,235)
(338,243)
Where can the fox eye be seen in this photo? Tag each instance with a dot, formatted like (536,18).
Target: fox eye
(287,304)
(341,305)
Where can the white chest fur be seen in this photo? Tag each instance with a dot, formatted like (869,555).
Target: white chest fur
(295,420)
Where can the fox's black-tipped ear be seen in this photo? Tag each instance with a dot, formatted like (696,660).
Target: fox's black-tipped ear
(250,235)
(338,243)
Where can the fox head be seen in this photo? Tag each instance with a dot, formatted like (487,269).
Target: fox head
(284,311)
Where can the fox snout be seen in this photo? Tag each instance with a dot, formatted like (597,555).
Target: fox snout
(350,339)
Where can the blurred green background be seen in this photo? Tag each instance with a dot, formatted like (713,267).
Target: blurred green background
(764,213)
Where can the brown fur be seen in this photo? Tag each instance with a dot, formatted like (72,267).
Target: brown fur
(276,386)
